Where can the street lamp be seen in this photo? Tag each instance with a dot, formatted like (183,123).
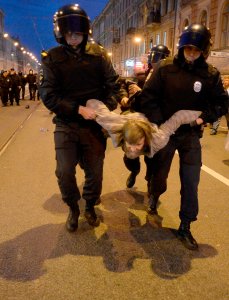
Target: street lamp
(137,41)
(110,55)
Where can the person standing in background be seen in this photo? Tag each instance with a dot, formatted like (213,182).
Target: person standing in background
(31,79)
(14,93)
(216,124)
(23,81)
(5,87)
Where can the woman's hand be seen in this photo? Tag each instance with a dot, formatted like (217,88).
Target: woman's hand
(199,121)
(87,113)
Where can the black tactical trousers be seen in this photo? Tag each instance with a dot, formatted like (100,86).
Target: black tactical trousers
(32,91)
(189,150)
(4,95)
(14,94)
(74,144)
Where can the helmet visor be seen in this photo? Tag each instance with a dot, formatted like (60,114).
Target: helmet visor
(73,23)
(193,39)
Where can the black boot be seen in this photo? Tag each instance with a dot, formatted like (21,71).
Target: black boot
(185,236)
(98,201)
(131,179)
(148,188)
(72,220)
(91,217)
(152,209)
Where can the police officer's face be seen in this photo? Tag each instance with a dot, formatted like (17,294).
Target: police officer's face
(191,53)
(73,39)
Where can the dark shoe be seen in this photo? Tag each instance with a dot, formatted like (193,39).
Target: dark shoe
(98,201)
(152,209)
(131,180)
(148,188)
(81,164)
(72,220)
(185,236)
(91,217)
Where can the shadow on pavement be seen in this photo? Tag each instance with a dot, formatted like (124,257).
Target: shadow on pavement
(126,235)
(226,162)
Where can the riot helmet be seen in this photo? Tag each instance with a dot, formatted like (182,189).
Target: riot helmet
(157,53)
(70,19)
(196,35)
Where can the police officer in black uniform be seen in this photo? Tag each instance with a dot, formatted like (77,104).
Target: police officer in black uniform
(186,82)
(5,87)
(23,79)
(74,72)
(14,92)
(31,79)
(157,53)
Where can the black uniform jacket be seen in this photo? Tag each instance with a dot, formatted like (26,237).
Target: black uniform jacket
(5,82)
(175,86)
(69,79)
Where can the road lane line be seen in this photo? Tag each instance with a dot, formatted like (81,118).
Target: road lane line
(215,175)
(5,146)
(8,142)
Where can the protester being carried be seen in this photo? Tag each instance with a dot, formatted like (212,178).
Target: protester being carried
(134,133)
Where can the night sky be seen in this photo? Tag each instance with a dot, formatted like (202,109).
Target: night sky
(31,20)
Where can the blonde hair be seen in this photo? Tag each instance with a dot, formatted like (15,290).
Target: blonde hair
(134,130)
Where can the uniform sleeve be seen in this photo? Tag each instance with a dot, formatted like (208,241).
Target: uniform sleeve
(217,102)
(133,88)
(123,92)
(50,92)
(148,102)
(111,84)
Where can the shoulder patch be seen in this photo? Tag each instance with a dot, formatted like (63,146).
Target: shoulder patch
(44,53)
(213,70)
(94,49)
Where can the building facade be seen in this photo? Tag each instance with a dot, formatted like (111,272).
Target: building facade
(129,28)
(13,54)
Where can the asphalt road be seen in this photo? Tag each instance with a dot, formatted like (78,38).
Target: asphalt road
(129,256)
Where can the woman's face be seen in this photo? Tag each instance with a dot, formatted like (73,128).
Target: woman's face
(191,53)
(74,39)
(134,150)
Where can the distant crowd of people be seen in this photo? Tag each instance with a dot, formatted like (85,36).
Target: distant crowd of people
(12,86)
